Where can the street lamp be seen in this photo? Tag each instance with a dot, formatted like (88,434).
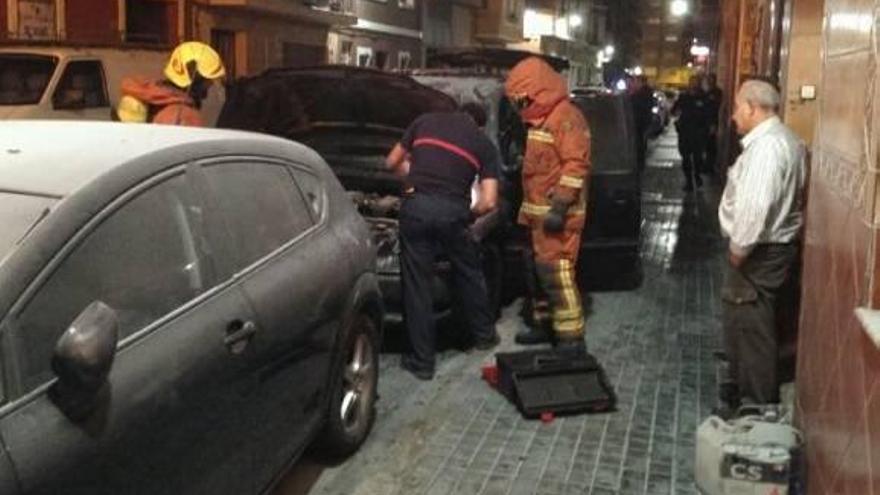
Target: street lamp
(575,20)
(678,7)
(609,51)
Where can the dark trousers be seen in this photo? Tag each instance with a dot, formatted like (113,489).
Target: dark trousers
(691,146)
(750,297)
(711,162)
(429,226)
(641,150)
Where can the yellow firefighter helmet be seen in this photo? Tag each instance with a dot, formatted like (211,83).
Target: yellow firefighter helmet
(207,63)
(132,110)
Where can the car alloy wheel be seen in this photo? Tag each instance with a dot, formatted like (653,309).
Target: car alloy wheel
(358,383)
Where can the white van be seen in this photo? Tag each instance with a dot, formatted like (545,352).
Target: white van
(41,82)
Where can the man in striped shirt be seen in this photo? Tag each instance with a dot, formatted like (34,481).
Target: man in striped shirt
(761,212)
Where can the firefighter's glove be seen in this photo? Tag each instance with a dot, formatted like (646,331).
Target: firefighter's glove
(554,222)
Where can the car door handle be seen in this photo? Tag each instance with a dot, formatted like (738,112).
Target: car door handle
(239,332)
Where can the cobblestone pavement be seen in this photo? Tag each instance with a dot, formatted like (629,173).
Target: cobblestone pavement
(455,435)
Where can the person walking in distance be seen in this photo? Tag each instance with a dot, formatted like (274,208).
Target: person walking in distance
(692,125)
(714,97)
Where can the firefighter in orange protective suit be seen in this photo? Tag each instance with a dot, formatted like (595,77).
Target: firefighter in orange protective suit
(176,99)
(555,175)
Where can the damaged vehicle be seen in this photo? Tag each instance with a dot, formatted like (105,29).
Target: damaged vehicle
(611,242)
(353,117)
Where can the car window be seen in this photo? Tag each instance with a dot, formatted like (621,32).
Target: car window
(144,260)
(262,205)
(82,86)
(23,78)
(612,143)
(312,191)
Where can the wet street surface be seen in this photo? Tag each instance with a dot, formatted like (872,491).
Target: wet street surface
(456,435)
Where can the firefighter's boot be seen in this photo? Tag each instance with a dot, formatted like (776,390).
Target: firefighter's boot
(533,334)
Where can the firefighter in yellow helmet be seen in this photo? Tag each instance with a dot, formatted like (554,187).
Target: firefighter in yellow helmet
(175,99)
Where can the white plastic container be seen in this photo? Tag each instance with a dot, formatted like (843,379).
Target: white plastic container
(747,456)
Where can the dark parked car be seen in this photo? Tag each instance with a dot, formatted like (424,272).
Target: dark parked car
(181,310)
(353,117)
(610,249)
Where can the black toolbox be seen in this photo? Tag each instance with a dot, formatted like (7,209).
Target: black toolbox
(554,381)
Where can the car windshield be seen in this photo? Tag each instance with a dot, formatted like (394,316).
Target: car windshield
(23,78)
(18,214)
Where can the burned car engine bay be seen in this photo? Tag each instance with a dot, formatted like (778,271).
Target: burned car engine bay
(343,113)
(381,213)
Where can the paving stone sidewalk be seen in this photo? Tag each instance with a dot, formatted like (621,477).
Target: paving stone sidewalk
(455,435)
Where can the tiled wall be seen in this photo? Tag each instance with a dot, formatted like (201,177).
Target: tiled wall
(839,367)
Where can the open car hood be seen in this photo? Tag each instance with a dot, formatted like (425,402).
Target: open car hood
(293,102)
(488,59)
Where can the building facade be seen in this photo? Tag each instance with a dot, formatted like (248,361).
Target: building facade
(251,35)
(450,24)
(500,23)
(569,29)
(387,35)
(254,35)
(839,352)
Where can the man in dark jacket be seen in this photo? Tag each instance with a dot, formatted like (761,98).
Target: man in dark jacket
(642,98)
(691,109)
(714,96)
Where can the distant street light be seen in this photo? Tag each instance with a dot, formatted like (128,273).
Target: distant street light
(678,7)
(609,50)
(637,71)
(700,51)
(575,20)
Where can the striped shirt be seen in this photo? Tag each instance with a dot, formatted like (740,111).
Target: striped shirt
(764,197)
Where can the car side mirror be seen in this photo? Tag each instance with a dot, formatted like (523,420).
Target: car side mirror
(82,360)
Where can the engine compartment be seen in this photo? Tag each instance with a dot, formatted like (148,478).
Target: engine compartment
(381,213)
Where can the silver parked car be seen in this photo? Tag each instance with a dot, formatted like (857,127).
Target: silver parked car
(181,310)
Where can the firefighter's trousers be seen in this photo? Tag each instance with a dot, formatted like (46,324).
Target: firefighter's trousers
(556,300)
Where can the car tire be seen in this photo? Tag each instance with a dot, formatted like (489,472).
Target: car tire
(352,410)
